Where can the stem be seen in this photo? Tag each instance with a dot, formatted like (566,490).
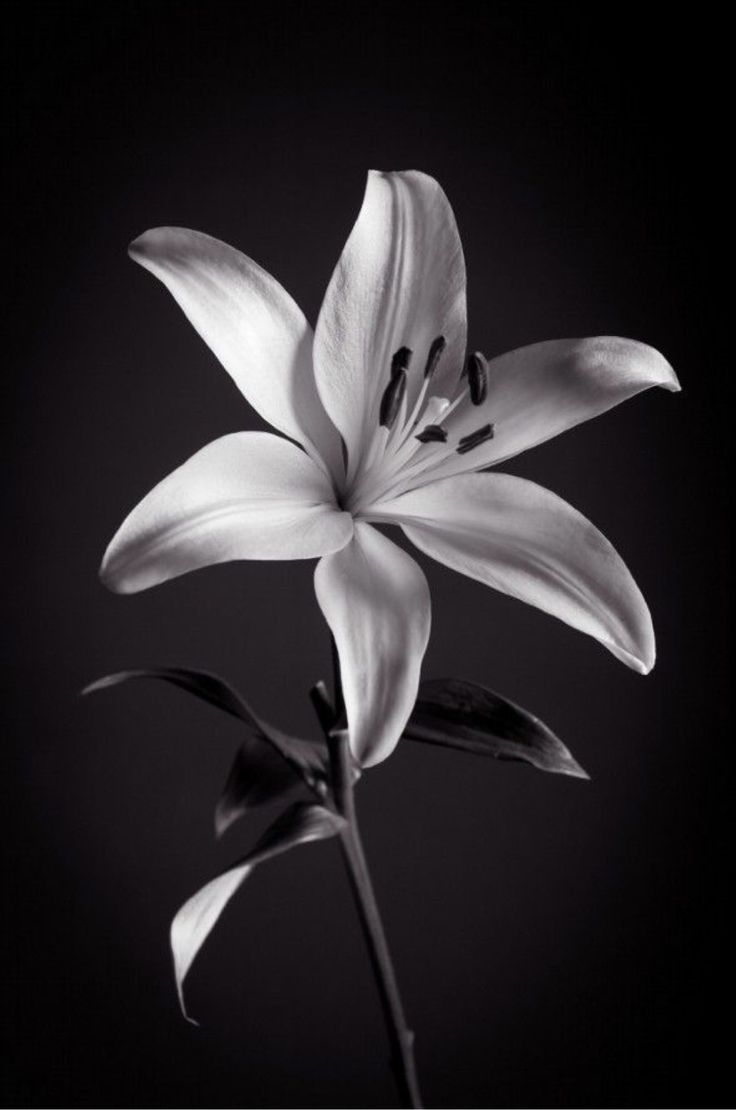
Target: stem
(400,1036)
(337,681)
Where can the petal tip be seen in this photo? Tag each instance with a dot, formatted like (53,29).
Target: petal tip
(109,579)
(106,578)
(619,360)
(662,373)
(642,663)
(646,666)
(673,383)
(575,771)
(113,576)
(417,176)
(137,246)
(668,379)
(146,245)
(645,658)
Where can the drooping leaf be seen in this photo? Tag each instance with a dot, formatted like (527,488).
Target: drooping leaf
(307,759)
(198,916)
(458,714)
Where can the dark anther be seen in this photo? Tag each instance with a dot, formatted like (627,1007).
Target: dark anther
(435,353)
(467,443)
(477,378)
(393,395)
(400,361)
(433,433)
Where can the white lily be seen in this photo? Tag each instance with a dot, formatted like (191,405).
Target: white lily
(385,372)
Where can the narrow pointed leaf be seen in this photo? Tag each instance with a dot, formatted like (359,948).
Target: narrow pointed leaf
(457,714)
(258,774)
(198,916)
(307,759)
(323,707)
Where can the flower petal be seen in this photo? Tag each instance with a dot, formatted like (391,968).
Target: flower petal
(519,538)
(375,599)
(400,282)
(536,392)
(251,324)
(250,495)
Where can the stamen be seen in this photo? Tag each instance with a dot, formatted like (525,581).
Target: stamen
(477,378)
(433,433)
(400,361)
(467,443)
(393,395)
(435,353)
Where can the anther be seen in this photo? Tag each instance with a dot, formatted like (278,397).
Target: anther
(467,443)
(393,395)
(477,378)
(435,353)
(400,361)
(433,433)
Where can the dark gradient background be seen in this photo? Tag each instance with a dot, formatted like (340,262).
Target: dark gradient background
(554,938)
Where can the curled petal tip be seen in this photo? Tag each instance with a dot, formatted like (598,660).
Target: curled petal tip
(105,577)
(643,662)
(669,379)
(417,176)
(662,373)
(646,666)
(139,247)
(136,247)
(613,361)
(120,575)
(636,647)
(115,582)
(649,658)
(646,655)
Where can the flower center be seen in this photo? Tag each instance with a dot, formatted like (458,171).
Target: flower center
(410,442)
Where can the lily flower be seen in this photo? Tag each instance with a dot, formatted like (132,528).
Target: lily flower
(387,422)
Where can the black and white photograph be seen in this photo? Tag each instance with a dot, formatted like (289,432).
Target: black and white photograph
(367,595)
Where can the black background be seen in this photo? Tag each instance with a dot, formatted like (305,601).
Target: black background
(555,939)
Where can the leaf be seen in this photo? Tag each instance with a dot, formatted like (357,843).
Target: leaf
(308,760)
(258,774)
(198,916)
(463,715)
(323,706)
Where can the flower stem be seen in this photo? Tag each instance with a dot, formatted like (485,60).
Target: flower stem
(400,1036)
